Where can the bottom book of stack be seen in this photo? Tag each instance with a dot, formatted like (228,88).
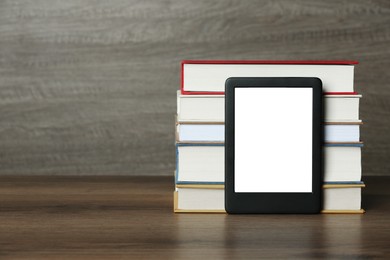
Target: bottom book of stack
(338,197)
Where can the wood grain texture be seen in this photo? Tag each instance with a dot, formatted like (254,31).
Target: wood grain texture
(127,217)
(88,87)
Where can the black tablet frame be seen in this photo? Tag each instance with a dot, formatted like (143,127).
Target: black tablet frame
(273,202)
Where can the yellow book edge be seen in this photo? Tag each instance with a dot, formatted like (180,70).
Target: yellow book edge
(198,122)
(221,186)
(329,211)
(341,186)
(213,211)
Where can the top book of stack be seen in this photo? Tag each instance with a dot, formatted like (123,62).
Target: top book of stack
(208,77)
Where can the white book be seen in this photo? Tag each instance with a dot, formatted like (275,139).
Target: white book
(337,198)
(203,200)
(341,108)
(202,108)
(215,133)
(342,197)
(205,164)
(212,77)
(189,133)
(211,108)
(200,164)
(344,133)
(342,163)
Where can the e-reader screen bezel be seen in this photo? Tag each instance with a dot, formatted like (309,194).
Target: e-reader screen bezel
(273,202)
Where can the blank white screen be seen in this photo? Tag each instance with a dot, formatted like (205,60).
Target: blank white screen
(273,139)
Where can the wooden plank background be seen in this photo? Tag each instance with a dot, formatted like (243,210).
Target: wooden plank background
(88,87)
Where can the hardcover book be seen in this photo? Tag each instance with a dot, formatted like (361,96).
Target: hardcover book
(209,132)
(342,197)
(209,76)
(204,163)
(211,108)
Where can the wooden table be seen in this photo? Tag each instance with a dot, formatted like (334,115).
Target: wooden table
(112,217)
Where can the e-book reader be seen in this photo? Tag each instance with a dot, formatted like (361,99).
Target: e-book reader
(273,139)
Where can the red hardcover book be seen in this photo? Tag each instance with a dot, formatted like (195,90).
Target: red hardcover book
(207,77)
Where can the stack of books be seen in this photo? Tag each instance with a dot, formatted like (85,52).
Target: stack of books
(199,175)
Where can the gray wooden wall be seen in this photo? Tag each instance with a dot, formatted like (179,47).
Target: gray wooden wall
(88,87)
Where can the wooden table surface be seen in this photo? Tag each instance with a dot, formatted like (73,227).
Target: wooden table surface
(131,217)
